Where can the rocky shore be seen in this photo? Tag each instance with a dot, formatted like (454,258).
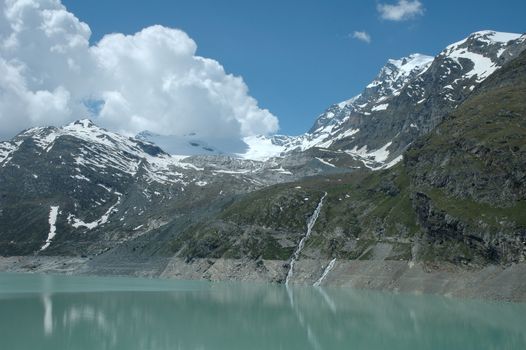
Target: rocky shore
(490,283)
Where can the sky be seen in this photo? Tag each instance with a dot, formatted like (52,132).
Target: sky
(233,67)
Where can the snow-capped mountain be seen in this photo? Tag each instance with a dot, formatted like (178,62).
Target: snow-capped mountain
(98,180)
(394,76)
(99,188)
(96,150)
(407,98)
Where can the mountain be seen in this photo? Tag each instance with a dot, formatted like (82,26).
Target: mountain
(107,188)
(393,77)
(407,99)
(445,136)
(458,197)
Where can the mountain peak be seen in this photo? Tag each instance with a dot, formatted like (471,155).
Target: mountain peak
(417,90)
(397,72)
(497,37)
(408,64)
(411,62)
(487,37)
(484,49)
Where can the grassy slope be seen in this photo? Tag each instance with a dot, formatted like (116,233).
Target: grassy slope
(458,196)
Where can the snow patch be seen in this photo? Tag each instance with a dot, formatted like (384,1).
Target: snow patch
(348,133)
(372,158)
(281,170)
(381,154)
(260,148)
(76,223)
(501,37)
(381,107)
(232,172)
(80,177)
(348,102)
(53,213)
(105,187)
(391,163)
(325,162)
(483,66)
(397,73)
(6,151)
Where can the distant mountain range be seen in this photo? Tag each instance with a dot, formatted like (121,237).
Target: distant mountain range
(426,164)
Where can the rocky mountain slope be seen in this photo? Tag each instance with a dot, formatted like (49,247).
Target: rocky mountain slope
(407,99)
(445,134)
(458,196)
(100,188)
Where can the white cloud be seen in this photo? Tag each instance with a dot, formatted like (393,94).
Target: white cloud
(403,10)
(362,36)
(50,75)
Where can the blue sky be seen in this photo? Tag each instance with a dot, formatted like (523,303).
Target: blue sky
(297,57)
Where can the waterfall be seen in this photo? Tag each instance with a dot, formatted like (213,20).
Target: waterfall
(299,248)
(325,273)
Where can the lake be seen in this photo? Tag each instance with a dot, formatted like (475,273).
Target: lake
(70,312)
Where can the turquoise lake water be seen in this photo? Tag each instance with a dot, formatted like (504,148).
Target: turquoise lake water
(65,312)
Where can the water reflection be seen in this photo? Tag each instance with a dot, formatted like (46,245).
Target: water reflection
(47,285)
(238,316)
(48,314)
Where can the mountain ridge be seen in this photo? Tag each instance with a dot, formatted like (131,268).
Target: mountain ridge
(367,122)
(455,195)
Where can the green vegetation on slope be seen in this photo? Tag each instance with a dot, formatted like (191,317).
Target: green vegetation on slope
(458,196)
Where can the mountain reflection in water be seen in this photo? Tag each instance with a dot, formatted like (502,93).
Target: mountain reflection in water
(61,312)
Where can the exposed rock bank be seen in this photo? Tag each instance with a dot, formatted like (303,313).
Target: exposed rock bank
(492,282)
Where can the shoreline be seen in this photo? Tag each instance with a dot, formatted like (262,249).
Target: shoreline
(496,283)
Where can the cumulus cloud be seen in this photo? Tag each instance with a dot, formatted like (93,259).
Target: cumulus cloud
(151,80)
(362,36)
(401,11)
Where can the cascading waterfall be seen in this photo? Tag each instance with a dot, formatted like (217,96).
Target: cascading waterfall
(310,225)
